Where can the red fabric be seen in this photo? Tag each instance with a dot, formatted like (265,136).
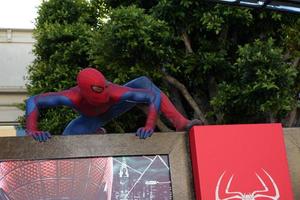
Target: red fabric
(152,117)
(172,114)
(89,77)
(242,152)
(31,120)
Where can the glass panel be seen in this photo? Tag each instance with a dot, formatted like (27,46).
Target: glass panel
(111,178)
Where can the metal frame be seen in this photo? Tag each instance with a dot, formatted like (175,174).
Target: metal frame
(174,144)
(292,6)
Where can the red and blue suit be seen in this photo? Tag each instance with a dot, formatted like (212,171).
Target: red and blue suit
(98,101)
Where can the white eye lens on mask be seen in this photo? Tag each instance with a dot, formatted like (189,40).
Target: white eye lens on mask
(97,89)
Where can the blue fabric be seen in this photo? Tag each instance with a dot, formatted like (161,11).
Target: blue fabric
(88,125)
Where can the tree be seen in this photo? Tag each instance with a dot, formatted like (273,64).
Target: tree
(213,43)
(218,63)
(261,88)
(209,43)
(132,43)
(292,47)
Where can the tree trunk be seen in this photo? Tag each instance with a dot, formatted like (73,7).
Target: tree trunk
(224,35)
(162,127)
(296,62)
(272,119)
(292,117)
(198,113)
(293,114)
(212,87)
(187,96)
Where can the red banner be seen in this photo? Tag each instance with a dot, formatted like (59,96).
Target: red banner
(245,162)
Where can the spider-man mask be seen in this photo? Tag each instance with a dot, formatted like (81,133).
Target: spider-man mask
(92,85)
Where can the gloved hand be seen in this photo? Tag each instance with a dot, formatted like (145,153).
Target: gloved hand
(144,132)
(41,136)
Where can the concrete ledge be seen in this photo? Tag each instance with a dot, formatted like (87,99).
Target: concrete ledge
(292,142)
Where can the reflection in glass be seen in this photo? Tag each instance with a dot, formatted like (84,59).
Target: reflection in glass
(118,178)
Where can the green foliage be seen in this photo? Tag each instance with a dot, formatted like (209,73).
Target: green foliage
(216,19)
(261,85)
(291,37)
(132,43)
(66,12)
(145,4)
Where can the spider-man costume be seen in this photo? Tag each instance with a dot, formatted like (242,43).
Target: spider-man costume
(98,101)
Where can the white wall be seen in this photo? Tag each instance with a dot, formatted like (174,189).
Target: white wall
(15,56)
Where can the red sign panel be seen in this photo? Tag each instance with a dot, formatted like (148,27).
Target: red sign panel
(245,162)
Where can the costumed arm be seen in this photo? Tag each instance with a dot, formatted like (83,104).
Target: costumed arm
(150,98)
(37,102)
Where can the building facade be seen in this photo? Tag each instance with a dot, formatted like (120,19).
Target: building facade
(16,54)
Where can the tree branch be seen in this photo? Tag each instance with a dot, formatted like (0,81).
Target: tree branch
(224,35)
(187,96)
(162,127)
(296,62)
(292,117)
(187,42)
(287,55)
(272,119)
